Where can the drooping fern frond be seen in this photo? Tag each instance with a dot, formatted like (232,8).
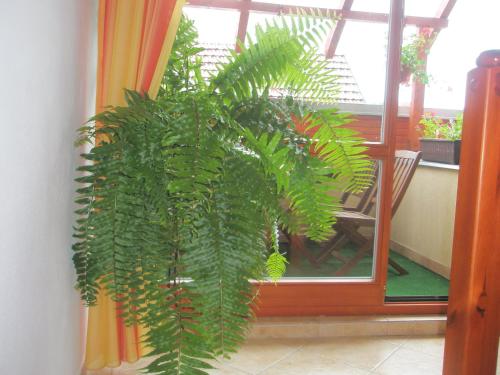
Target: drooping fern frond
(276,262)
(179,346)
(276,266)
(310,79)
(183,64)
(113,198)
(283,53)
(275,160)
(340,147)
(192,152)
(311,199)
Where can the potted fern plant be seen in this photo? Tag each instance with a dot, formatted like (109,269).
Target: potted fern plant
(182,201)
(441,138)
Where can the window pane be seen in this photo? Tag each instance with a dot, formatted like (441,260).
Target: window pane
(214,25)
(378,6)
(427,8)
(332,4)
(349,252)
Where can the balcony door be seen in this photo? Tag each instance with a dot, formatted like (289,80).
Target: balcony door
(316,282)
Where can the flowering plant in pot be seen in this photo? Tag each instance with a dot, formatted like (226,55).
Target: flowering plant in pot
(412,53)
(441,138)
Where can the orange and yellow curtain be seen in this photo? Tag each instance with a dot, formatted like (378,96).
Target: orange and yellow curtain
(135,40)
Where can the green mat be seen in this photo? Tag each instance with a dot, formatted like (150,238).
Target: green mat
(419,282)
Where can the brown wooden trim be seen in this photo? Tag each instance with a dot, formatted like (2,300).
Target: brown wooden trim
(377,150)
(433,22)
(302,309)
(242,24)
(389,120)
(474,305)
(408,309)
(302,298)
(334,36)
(445,8)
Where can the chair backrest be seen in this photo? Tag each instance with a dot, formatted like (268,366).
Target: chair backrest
(405,164)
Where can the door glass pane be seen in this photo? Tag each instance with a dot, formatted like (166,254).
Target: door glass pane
(364,47)
(349,252)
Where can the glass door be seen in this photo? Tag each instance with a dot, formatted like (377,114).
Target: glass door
(347,273)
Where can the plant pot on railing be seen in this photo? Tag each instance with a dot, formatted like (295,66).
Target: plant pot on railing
(440,150)
(441,138)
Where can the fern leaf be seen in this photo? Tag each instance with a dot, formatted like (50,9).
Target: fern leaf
(276,266)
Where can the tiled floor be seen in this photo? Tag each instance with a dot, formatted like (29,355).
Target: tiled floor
(343,356)
(410,355)
(398,355)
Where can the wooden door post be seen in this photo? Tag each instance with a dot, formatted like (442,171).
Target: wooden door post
(473,311)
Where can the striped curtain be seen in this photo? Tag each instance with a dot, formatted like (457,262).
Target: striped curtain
(135,40)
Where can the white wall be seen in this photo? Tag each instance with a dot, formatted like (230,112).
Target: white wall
(47,85)
(422,228)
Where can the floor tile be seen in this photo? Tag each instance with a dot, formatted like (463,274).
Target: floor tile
(227,370)
(432,345)
(257,355)
(364,353)
(410,362)
(307,362)
(285,330)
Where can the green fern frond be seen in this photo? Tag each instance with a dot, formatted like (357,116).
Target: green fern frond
(276,266)
(178,345)
(340,147)
(311,200)
(192,152)
(279,55)
(274,159)
(229,240)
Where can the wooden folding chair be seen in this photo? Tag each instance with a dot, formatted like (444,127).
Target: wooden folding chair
(352,219)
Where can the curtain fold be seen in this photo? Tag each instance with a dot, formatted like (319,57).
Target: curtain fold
(135,38)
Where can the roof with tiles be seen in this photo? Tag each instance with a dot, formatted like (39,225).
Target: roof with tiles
(349,91)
